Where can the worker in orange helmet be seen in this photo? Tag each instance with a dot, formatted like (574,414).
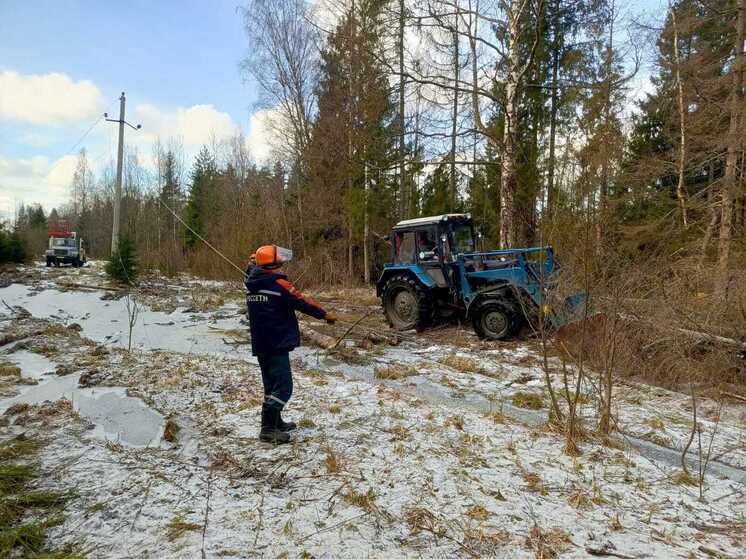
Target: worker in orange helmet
(272,301)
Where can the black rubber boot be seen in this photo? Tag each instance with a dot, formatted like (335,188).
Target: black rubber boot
(286,426)
(270,431)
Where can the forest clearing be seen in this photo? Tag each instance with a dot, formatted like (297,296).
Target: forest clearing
(435,446)
(373,278)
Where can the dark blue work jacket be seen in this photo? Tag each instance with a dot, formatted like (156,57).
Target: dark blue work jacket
(272,301)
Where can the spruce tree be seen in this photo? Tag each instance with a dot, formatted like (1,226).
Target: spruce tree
(122,266)
(200,195)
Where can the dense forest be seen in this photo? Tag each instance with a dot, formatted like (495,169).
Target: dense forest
(614,136)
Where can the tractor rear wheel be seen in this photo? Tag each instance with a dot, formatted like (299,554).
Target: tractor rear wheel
(406,303)
(494,320)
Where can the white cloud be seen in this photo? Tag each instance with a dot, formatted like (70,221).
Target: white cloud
(196,125)
(48,99)
(261,138)
(36,179)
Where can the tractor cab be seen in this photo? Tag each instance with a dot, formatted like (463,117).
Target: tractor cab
(437,272)
(432,243)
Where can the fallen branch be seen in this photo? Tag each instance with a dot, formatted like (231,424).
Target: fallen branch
(207,512)
(350,329)
(602,552)
(92,287)
(6,339)
(237,342)
(731,395)
(714,553)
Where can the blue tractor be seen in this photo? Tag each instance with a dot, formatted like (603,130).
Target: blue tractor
(437,273)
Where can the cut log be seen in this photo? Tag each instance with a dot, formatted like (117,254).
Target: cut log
(92,287)
(317,338)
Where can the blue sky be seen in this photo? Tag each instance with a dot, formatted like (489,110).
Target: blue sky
(168,56)
(64,62)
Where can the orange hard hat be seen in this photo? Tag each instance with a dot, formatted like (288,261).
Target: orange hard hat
(272,256)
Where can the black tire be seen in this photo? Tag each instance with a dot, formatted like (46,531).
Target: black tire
(56,263)
(494,320)
(406,303)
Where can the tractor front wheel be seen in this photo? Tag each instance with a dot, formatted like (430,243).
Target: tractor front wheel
(493,320)
(406,304)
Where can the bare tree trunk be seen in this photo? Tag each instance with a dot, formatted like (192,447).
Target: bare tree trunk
(366,231)
(604,190)
(680,192)
(729,190)
(713,217)
(350,124)
(403,194)
(508,174)
(454,117)
(551,194)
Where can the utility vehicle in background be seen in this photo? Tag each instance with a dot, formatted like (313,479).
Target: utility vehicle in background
(437,273)
(65,247)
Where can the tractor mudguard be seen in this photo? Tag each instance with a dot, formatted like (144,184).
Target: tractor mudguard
(415,271)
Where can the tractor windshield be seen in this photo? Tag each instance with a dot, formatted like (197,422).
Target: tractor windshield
(463,239)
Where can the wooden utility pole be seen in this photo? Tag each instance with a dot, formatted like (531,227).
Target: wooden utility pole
(120,157)
(118,188)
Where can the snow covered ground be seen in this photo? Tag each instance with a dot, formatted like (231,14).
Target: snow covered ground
(430,464)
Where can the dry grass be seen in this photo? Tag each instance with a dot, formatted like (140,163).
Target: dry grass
(548,544)
(534,483)
(419,519)
(579,499)
(456,421)
(306,423)
(478,513)
(171,431)
(331,461)
(460,363)
(528,400)
(394,371)
(9,370)
(178,527)
(335,409)
(365,501)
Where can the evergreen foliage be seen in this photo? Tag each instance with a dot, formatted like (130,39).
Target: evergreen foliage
(12,247)
(122,265)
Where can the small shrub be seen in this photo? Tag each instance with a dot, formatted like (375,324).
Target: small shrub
(122,266)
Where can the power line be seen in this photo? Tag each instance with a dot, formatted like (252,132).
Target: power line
(201,238)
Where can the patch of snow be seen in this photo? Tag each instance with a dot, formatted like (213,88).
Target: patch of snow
(32,364)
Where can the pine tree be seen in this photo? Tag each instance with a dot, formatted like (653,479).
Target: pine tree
(201,194)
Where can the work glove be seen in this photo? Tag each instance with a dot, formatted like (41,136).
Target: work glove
(331,318)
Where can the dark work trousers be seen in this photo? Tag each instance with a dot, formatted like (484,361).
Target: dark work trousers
(277,378)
